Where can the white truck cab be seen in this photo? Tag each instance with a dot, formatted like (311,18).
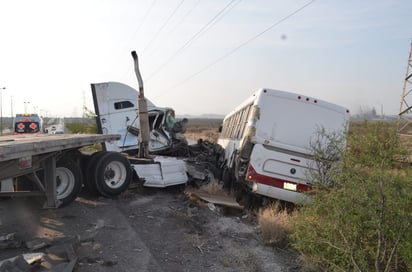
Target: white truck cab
(116,108)
(117,113)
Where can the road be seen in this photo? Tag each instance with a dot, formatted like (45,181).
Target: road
(145,230)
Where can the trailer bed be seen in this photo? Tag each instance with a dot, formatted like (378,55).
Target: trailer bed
(24,155)
(18,146)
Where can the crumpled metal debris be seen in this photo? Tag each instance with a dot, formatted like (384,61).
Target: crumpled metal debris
(7,241)
(58,255)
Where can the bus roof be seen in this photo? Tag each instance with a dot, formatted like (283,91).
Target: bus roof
(258,95)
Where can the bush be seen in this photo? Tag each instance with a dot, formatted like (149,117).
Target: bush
(364,222)
(82,128)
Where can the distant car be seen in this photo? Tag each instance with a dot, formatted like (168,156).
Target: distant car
(57,132)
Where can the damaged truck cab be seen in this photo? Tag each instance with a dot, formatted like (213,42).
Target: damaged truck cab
(117,112)
(116,109)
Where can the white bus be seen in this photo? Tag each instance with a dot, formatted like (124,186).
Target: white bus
(267,141)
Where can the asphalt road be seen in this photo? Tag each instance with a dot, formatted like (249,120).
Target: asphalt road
(144,230)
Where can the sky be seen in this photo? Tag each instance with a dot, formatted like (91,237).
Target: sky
(203,56)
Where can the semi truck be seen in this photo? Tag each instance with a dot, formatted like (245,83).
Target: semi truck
(54,166)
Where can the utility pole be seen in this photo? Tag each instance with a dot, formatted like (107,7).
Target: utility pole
(404,126)
(1,110)
(11,111)
(11,106)
(84,113)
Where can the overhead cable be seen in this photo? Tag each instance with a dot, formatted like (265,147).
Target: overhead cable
(231,52)
(163,26)
(197,35)
(144,19)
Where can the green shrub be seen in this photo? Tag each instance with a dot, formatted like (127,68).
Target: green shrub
(364,222)
(82,128)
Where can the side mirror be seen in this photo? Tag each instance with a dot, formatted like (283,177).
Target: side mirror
(220,129)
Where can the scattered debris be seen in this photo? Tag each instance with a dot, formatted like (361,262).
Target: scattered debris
(212,207)
(32,258)
(215,198)
(15,264)
(60,255)
(7,241)
(36,244)
(199,247)
(7,237)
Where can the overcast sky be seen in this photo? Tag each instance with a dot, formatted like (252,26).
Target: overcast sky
(203,56)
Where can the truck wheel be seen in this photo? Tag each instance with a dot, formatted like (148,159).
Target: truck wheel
(89,181)
(68,180)
(113,174)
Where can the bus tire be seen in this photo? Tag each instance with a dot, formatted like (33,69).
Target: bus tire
(89,181)
(113,174)
(227,180)
(68,180)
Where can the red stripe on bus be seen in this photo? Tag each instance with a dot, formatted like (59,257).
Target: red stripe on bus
(253,176)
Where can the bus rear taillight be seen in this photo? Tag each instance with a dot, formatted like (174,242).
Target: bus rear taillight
(253,176)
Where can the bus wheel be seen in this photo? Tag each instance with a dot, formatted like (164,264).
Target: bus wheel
(113,174)
(227,180)
(68,180)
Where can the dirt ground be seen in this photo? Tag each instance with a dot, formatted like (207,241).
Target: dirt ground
(142,230)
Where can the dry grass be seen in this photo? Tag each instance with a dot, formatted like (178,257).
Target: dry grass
(306,264)
(213,188)
(274,224)
(208,134)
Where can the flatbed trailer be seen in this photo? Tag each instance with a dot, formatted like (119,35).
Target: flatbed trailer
(53,166)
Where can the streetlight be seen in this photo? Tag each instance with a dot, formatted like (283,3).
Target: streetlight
(1,110)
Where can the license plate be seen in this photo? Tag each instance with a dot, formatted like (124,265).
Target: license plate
(289,186)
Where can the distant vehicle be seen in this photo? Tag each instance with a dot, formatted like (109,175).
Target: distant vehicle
(266,141)
(59,131)
(28,123)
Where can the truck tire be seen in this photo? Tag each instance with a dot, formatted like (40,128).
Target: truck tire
(89,180)
(113,174)
(68,180)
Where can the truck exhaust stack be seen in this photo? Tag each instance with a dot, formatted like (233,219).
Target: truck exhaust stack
(144,134)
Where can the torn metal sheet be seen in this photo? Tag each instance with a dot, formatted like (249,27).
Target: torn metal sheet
(217,199)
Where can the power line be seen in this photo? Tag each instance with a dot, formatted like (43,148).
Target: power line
(144,19)
(211,23)
(179,23)
(197,35)
(164,25)
(243,44)
(131,38)
(185,16)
